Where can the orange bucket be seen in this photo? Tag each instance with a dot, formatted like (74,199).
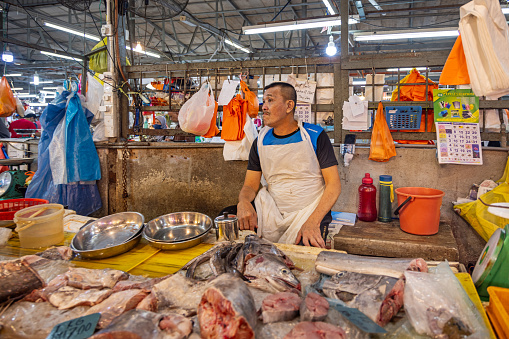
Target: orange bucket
(419,209)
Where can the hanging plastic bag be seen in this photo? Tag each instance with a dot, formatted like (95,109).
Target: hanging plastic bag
(196,114)
(239,150)
(253,106)
(382,146)
(476,213)
(83,198)
(19,108)
(7,100)
(234,119)
(414,92)
(213,130)
(455,71)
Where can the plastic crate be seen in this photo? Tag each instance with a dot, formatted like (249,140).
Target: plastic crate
(498,310)
(9,207)
(403,117)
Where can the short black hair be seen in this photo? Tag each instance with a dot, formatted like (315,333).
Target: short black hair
(287,90)
(31,115)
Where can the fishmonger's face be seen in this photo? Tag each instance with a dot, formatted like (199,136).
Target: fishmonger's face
(275,107)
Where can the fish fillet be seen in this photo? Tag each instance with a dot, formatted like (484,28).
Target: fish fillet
(282,306)
(314,308)
(85,278)
(315,330)
(69,297)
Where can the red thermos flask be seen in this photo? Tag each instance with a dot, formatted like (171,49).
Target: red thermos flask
(367,200)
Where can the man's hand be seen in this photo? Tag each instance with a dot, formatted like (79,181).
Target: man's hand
(310,235)
(246,215)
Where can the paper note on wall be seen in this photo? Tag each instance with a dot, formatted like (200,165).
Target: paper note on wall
(305,88)
(303,112)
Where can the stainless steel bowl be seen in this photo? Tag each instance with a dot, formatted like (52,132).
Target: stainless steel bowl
(109,251)
(179,245)
(177,227)
(109,231)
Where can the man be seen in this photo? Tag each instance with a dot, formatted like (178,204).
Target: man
(298,163)
(21,124)
(30,115)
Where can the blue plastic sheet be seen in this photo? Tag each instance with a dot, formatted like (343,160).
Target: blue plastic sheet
(83,198)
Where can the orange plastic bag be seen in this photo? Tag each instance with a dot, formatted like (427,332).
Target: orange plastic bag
(253,106)
(234,118)
(455,70)
(213,130)
(7,100)
(382,146)
(414,92)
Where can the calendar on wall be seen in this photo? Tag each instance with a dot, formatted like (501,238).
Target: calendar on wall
(459,143)
(303,112)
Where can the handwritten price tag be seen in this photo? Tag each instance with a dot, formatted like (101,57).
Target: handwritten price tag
(79,328)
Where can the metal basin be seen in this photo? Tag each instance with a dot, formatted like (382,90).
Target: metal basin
(108,232)
(179,245)
(177,227)
(109,251)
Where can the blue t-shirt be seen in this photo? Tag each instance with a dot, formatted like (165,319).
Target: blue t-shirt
(319,139)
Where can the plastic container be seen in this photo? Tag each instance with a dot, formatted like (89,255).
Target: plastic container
(367,200)
(419,209)
(9,207)
(403,117)
(498,310)
(385,199)
(40,226)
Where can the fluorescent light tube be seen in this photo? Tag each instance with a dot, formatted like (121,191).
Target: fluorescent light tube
(16,88)
(72,31)
(13,75)
(144,52)
(329,7)
(296,25)
(42,82)
(55,88)
(406,69)
(38,104)
(359,82)
(505,10)
(47,92)
(242,48)
(61,56)
(26,95)
(407,35)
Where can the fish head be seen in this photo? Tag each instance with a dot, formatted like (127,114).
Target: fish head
(269,266)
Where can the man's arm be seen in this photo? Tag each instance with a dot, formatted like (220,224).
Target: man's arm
(310,231)
(246,213)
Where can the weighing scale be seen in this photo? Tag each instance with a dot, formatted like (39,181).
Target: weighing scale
(12,184)
(491,268)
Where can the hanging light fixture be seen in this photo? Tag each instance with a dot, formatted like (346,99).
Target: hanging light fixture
(138,47)
(7,55)
(331,49)
(36,79)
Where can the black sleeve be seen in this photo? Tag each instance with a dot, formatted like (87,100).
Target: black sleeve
(325,152)
(253,163)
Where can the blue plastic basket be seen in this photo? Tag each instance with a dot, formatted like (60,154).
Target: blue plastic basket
(403,117)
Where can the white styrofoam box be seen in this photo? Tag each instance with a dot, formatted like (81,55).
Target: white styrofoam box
(16,150)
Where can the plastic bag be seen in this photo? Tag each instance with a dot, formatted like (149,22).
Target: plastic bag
(213,130)
(239,150)
(476,213)
(196,114)
(234,119)
(253,106)
(382,146)
(7,101)
(414,92)
(19,108)
(80,197)
(455,71)
(437,304)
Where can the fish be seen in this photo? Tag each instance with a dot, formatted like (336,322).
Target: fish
(253,246)
(116,304)
(330,263)
(57,253)
(315,330)
(85,278)
(270,267)
(149,303)
(366,292)
(227,309)
(314,308)
(43,294)
(282,306)
(17,279)
(139,324)
(179,291)
(69,297)
(207,254)
(136,282)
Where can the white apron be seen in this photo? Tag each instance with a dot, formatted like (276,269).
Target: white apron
(294,187)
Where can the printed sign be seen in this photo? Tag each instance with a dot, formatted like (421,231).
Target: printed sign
(305,89)
(79,328)
(459,143)
(303,112)
(455,105)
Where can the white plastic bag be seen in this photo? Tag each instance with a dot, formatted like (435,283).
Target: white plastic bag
(57,149)
(434,300)
(239,150)
(19,108)
(196,114)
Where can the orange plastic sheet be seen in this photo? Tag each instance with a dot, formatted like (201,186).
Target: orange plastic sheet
(382,146)
(234,119)
(455,70)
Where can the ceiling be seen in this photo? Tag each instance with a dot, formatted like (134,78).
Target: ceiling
(198,33)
